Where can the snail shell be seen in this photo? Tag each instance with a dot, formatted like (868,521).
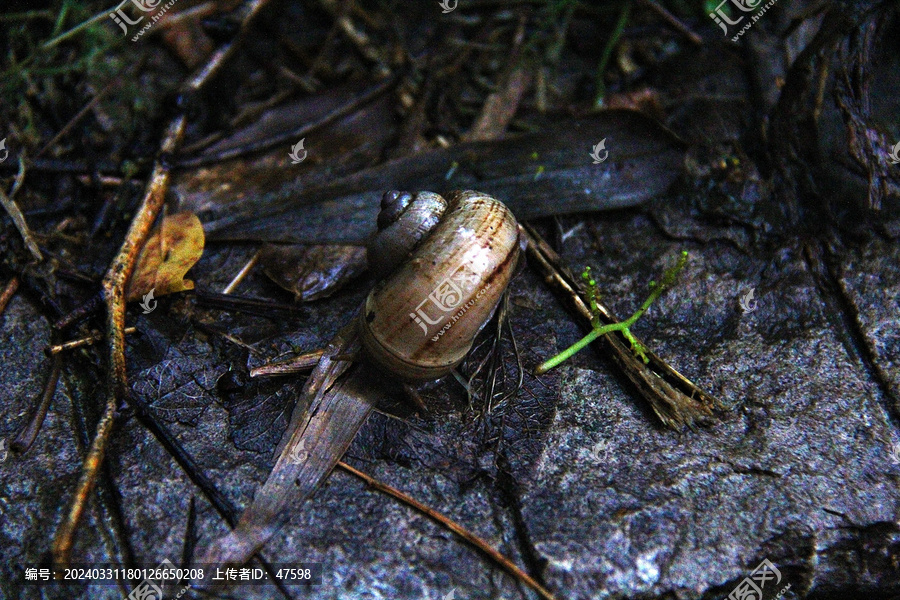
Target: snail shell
(404,220)
(420,321)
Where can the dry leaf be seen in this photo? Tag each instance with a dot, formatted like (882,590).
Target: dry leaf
(169,253)
(312,272)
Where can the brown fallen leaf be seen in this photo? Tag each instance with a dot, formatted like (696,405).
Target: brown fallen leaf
(171,251)
(312,272)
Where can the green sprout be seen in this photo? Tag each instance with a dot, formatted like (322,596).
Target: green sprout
(600,97)
(593,297)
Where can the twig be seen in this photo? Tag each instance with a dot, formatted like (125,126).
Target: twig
(106,180)
(19,180)
(295,364)
(19,219)
(106,494)
(114,285)
(453,526)
(74,120)
(82,312)
(125,184)
(241,274)
(500,107)
(210,330)
(190,536)
(673,21)
(251,306)
(29,433)
(108,515)
(623,327)
(219,501)
(356,36)
(8,292)
(675,399)
(84,24)
(195,12)
(85,341)
(56,165)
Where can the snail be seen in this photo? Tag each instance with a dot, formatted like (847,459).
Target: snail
(442,267)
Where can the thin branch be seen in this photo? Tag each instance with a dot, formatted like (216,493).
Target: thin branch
(675,399)
(673,21)
(290,366)
(29,433)
(8,292)
(82,312)
(81,26)
(85,341)
(19,221)
(114,285)
(455,527)
(251,306)
(195,13)
(242,273)
(74,120)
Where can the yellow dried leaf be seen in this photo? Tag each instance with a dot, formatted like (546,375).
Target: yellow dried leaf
(169,253)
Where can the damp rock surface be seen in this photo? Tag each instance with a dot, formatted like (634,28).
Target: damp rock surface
(573,478)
